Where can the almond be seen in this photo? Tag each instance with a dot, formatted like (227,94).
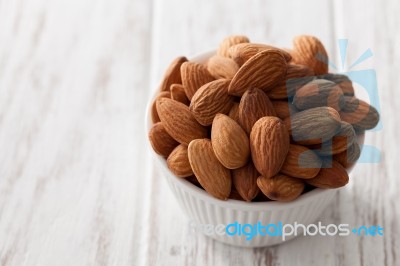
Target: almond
(296,76)
(245,181)
(313,126)
(281,187)
(331,175)
(173,74)
(160,140)
(235,194)
(269,145)
(230,142)
(222,67)
(154,114)
(194,76)
(253,105)
(178,94)
(179,122)
(309,51)
(231,41)
(301,162)
(284,109)
(242,52)
(211,99)
(178,162)
(264,70)
(234,112)
(349,157)
(319,92)
(342,80)
(210,173)
(339,143)
(359,114)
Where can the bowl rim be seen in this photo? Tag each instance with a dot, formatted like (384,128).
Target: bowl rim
(229,203)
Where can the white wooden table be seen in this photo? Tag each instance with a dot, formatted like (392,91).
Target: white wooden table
(78,185)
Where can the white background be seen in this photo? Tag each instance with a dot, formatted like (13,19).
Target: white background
(77,182)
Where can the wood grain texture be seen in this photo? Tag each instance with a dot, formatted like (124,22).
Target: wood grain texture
(78,185)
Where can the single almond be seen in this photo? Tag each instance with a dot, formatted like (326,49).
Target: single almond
(301,162)
(173,74)
(245,181)
(154,114)
(222,67)
(331,175)
(234,112)
(349,157)
(211,99)
(284,109)
(179,122)
(313,126)
(194,76)
(359,114)
(178,162)
(342,80)
(281,187)
(178,94)
(160,140)
(269,145)
(231,41)
(211,174)
(263,71)
(242,52)
(317,93)
(230,142)
(310,51)
(253,105)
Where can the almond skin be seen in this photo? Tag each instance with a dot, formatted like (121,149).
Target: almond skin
(211,99)
(194,76)
(234,112)
(269,145)
(231,41)
(264,70)
(317,93)
(173,74)
(178,161)
(178,94)
(284,109)
(313,126)
(349,157)
(154,114)
(210,173)
(160,140)
(245,181)
(301,162)
(179,122)
(342,80)
(253,105)
(222,67)
(309,51)
(281,187)
(359,114)
(242,52)
(331,175)
(230,142)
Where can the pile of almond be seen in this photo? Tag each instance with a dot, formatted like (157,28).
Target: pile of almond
(256,122)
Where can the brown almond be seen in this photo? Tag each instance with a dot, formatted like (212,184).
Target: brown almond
(301,162)
(194,76)
(284,109)
(231,41)
(173,74)
(222,67)
(359,114)
(245,181)
(253,105)
(349,157)
(281,187)
(242,52)
(211,174)
(178,162)
(342,80)
(263,71)
(331,175)
(211,99)
(310,51)
(269,145)
(160,140)
(154,114)
(234,112)
(179,122)
(178,94)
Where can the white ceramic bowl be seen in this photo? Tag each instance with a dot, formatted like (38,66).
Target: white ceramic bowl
(203,209)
